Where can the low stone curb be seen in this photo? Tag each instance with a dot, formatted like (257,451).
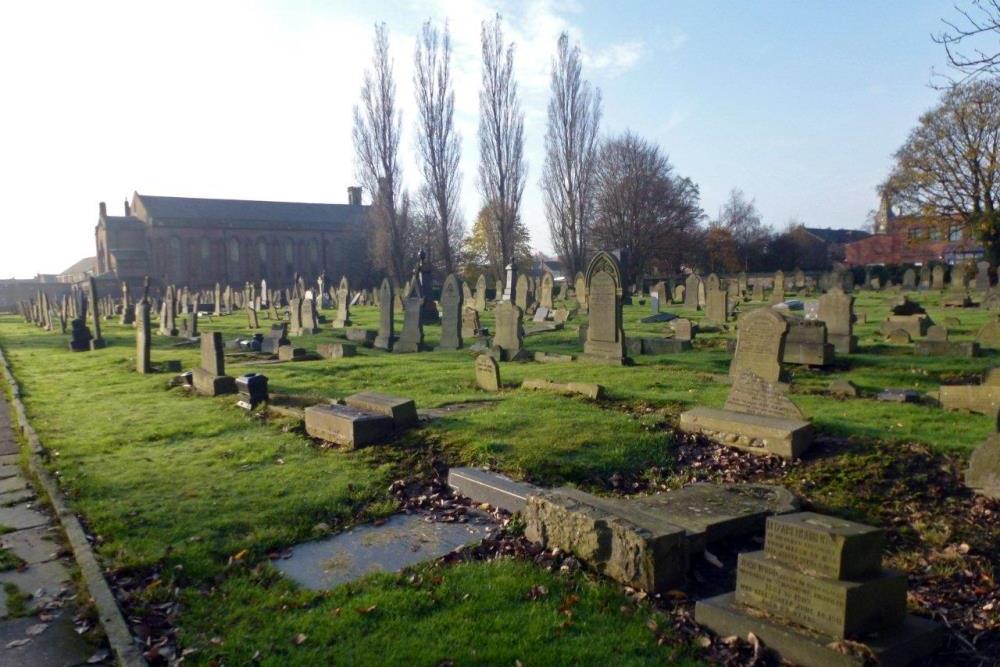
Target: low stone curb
(119,637)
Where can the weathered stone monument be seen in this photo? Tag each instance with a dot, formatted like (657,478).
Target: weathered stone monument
(605,335)
(760,344)
(128,312)
(806,343)
(908,316)
(470,323)
(423,277)
(817,595)
(545,291)
(983,473)
(481,293)
(487,373)
(412,338)
(451,314)
(836,309)
(778,292)
(982,276)
(581,291)
(508,341)
(210,377)
(142,337)
(717,305)
(343,305)
(937,277)
(386,324)
(521,292)
(691,286)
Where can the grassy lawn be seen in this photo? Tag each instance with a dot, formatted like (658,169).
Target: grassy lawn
(199,492)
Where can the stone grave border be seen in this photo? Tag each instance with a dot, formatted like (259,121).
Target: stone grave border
(119,637)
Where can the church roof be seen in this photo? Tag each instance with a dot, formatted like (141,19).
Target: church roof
(837,235)
(238,212)
(85,265)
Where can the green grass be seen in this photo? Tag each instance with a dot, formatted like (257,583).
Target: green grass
(9,561)
(179,484)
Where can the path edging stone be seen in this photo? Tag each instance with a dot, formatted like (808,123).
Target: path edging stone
(125,650)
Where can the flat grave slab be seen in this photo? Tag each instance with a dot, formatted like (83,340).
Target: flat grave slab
(485,486)
(346,425)
(403,540)
(403,411)
(788,438)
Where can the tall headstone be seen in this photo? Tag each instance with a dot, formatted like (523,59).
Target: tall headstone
(470,323)
(909,279)
(691,286)
(412,338)
(778,293)
(451,313)
(717,308)
(481,293)
(343,307)
(386,325)
(982,276)
(937,277)
(521,292)
(605,335)
(760,344)
(545,291)
(509,339)
(836,309)
(253,321)
(128,312)
(581,291)
(168,312)
(97,342)
(424,275)
(310,317)
(142,337)
(926,280)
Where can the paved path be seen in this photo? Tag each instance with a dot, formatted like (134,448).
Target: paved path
(43,633)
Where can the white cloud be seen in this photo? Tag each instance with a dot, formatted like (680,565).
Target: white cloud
(617,58)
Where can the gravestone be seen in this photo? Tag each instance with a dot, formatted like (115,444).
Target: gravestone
(937,277)
(836,309)
(128,312)
(925,278)
(386,325)
(799,279)
(661,293)
(909,279)
(97,342)
(983,473)
(743,283)
(343,305)
(712,283)
(758,290)
(545,291)
(778,292)
(451,314)
(521,292)
(683,329)
(467,296)
(717,308)
(605,335)
(275,338)
(982,276)
(692,285)
(806,343)
(581,291)
(412,338)
(760,344)
(470,323)
(487,373)
(481,293)
(142,338)
(509,339)
(817,586)
(678,294)
(309,317)
(989,335)
(252,321)
(210,377)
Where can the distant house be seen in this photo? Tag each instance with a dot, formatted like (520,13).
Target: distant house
(540,264)
(913,239)
(813,248)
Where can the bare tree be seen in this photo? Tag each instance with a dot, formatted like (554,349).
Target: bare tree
(377,130)
(948,171)
(641,205)
(438,144)
(740,217)
(502,169)
(972,43)
(571,147)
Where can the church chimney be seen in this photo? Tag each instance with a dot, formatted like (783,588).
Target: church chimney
(103,210)
(128,209)
(354,196)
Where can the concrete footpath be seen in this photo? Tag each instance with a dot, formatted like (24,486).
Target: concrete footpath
(37,598)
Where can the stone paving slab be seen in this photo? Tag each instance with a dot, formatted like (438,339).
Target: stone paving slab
(12,484)
(58,645)
(16,497)
(403,540)
(9,470)
(44,579)
(32,545)
(10,459)
(17,517)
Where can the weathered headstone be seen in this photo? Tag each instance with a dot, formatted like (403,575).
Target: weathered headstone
(581,291)
(982,276)
(545,291)
(937,277)
(818,585)
(451,314)
(778,292)
(909,279)
(983,473)
(412,337)
(836,309)
(481,293)
(509,338)
(605,335)
(692,284)
(210,377)
(142,338)
(386,325)
(760,344)
(521,292)
(717,306)
(343,305)
(683,329)
(487,373)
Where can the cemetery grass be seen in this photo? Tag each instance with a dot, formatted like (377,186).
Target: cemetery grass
(188,496)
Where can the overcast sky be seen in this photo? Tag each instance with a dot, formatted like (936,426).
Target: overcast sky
(799,103)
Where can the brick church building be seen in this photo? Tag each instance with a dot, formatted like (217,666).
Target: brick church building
(199,242)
